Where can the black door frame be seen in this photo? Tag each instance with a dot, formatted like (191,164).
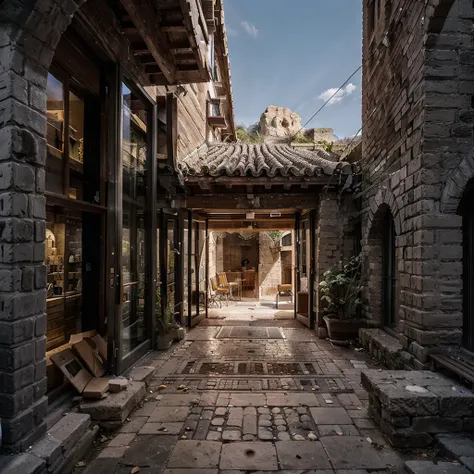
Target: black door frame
(118,364)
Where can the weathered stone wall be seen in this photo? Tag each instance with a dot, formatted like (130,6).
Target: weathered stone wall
(269,266)
(335,239)
(417,110)
(25,55)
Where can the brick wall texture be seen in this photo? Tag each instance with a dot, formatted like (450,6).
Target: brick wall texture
(418,115)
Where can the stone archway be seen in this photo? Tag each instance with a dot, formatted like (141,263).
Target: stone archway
(29,33)
(436,13)
(456,184)
(384,196)
(381,290)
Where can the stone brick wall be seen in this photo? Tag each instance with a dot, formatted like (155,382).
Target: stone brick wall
(25,55)
(417,142)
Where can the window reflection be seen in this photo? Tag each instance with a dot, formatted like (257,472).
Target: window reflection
(134,156)
(76,146)
(54,134)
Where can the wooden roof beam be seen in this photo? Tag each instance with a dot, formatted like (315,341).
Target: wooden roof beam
(146,21)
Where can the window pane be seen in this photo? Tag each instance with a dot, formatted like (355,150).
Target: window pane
(134,156)
(55,134)
(76,146)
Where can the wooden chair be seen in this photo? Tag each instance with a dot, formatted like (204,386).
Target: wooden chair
(222,294)
(224,283)
(285,290)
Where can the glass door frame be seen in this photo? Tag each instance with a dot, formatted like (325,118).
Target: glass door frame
(118,364)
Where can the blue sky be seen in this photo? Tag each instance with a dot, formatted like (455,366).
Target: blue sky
(290,53)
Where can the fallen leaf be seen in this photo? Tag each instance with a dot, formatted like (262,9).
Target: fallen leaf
(135,470)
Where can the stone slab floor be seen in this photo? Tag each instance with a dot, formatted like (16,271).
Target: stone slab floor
(247,403)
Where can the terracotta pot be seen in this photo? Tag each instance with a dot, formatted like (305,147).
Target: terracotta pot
(342,331)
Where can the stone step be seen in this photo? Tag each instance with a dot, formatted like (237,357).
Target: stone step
(459,448)
(414,406)
(112,411)
(58,451)
(429,467)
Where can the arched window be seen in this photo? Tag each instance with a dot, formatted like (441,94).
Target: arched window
(467,212)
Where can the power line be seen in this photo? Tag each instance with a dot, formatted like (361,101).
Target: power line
(382,43)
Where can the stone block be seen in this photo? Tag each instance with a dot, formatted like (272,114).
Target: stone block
(117,406)
(436,424)
(429,467)
(70,429)
(117,385)
(456,448)
(196,454)
(48,448)
(23,463)
(142,374)
(249,456)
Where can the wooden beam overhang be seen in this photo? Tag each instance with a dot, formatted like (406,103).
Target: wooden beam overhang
(143,16)
(233,226)
(198,35)
(231,181)
(169,37)
(240,201)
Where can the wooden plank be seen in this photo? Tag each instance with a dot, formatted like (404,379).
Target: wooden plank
(173,29)
(181,77)
(144,18)
(90,357)
(172,129)
(98,20)
(271,202)
(198,35)
(72,369)
(96,388)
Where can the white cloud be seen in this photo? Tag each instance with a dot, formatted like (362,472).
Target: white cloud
(344,92)
(249,28)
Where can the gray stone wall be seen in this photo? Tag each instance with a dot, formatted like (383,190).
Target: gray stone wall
(417,147)
(25,55)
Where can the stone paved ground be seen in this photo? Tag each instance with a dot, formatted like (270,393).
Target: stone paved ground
(293,404)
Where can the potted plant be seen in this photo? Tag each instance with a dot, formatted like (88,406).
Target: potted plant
(168,330)
(340,301)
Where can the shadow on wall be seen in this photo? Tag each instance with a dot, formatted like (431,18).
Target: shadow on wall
(269,266)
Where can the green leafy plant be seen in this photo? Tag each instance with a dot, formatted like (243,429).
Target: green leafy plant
(275,235)
(340,290)
(301,137)
(165,321)
(249,134)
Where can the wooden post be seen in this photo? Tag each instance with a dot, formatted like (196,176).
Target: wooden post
(171,129)
(297,259)
(312,269)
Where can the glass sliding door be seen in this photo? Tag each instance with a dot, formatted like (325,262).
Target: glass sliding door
(135,237)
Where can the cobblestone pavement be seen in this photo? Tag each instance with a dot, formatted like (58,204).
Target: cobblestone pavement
(230,405)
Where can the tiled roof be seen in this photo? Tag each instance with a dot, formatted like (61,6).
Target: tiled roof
(255,160)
